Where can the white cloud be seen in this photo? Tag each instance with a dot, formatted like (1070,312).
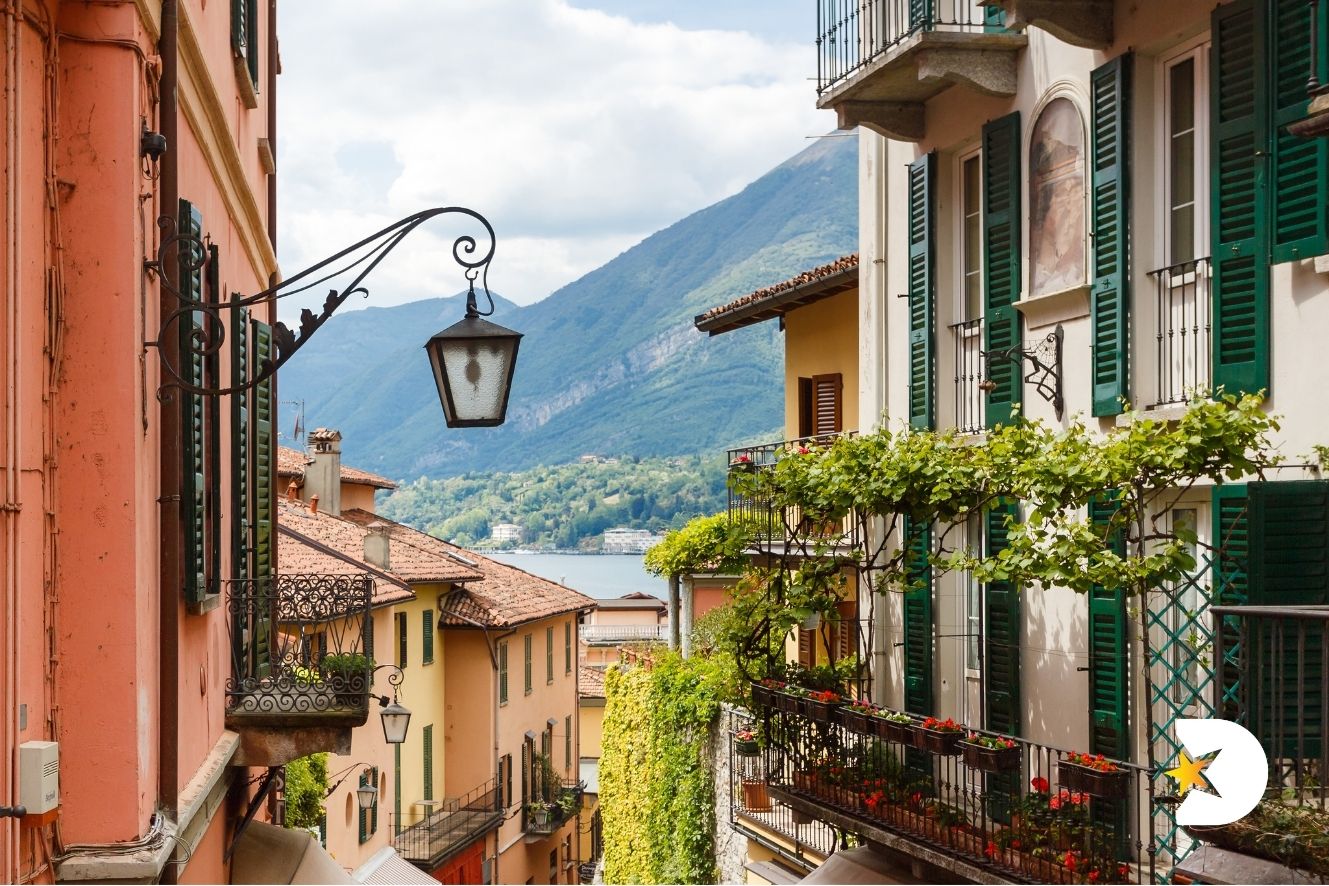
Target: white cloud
(575,132)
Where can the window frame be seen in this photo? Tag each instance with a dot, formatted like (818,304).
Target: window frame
(960,313)
(1195,49)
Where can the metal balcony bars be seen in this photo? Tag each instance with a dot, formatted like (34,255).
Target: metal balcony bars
(1183,331)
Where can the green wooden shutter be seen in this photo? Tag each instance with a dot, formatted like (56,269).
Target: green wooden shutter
(1299,167)
(922,290)
(1001,630)
(193,489)
(918,619)
(373,812)
(921,14)
(396,787)
(1109,732)
(239,27)
(1238,137)
(549,655)
(212,508)
(1001,262)
(264,471)
(567,742)
(241,458)
(402,646)
(528,664)
(1110,188)
(994,18)
(429,761)
(427,638)
(503,672)
(1289,559)
(1231,533)
(567,647)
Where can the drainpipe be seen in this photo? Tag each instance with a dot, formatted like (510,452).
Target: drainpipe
(9,506)
(172,547)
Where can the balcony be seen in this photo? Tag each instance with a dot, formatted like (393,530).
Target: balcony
(967,340)
(550,809)
(777,530)
(879,61)
(429,840)
(1183,331)
(613,635)
(300,671)
(1025,813)
(1087,23)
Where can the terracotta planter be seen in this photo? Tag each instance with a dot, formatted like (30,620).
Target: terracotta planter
(987,759)
(805,781)
(902,733)
(820,711)
(856,721)
(755,796)
(1095,783)
(943,744)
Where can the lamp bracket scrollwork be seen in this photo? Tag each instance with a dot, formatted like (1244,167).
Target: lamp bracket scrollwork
(206,338)
(1044,371)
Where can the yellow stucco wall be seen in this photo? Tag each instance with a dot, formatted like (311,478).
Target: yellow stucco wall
(422,691)
(822,338)
(592,716)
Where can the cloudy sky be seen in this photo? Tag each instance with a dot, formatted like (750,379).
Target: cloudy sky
(577,127)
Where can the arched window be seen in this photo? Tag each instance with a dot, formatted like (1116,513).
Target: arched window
(1056,200)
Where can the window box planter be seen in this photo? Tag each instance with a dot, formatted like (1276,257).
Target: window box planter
(1094,782)
(743,465)
(935,741)
(987,759)
(805,781)
(746,747)
(903,733)
(857,721)
(819,710)
(762,696)
(790,704)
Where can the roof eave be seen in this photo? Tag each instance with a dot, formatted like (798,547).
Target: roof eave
(779,304)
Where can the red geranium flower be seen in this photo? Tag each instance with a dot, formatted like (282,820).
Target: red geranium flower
(1040,784)
(1069,861)
(990,850)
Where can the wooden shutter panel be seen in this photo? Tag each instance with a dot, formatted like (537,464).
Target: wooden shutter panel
(241,444)
(1231,533)
(922,284)
(1238,136)
(918,620)
(827,392)
(549,655)
(567,647)
(1289,559)
(1110,188)
(994,18)
(402,646)
(239,28)
(1001,630)
(396,784)
(373,812)
(528,664)
(427,637)
(1001,262)
(807,648)
(429,762)
(503,672)
(265,455)
(1108,655)
(567,742)
(1299,167)
(920,15)
(193,495)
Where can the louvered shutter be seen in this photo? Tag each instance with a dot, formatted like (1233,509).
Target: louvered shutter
(396,786)
(826,404)
(1299,167)
(918,619)
(921,14)
(193,489)
(1108,728)
(549,655)
(264,471)
(427,637)
(239,28)
(429,762)
(922,284)
(994,18)
(241,443)
(212,506)
(1001,631)
(1238,136)
(567,647)
(373,812)
(528,664)
(807,648)
(1001,262)
(846,636)
(503,672)
(1231,534)
(402,645)
(1110,188)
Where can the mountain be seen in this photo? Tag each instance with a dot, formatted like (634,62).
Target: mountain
(611,363)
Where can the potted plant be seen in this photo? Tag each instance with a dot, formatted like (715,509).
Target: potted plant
(855,716)
(1094,775)
(990,753)
(743,464)
(349,676)
(763,692)
(755,796)
(790,699)
(941,737)
(819,705)
(745,743)
(894,726)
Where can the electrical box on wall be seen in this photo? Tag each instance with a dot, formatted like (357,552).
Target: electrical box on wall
(39,776)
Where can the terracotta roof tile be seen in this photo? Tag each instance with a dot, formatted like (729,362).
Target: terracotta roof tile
(292,462)
(590,682)
(303,548)
(746,307)
(502,597)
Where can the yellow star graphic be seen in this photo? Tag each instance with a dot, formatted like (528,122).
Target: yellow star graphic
(1187,774)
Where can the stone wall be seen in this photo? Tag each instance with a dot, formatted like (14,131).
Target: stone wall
(731,847)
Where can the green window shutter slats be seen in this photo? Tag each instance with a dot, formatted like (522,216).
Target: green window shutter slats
(1240,210)
(918,619)
(366,827)
(427,637)
(1299,171)
(402,645)
(244,35)
(1289,564)
(193,489)
(1001,631)
(994,18)
(549,655)
(528,643)
(241,444)
(396,783)
(429,762)
(1110,189)
(922,286)
(1109,732)
(265,455)
(1001,261)
(1231,533)
(567,647)
(567,742)
(503,672)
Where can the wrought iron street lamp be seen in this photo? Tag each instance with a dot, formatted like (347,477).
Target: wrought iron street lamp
(366,795)
(472,361)
(395,716)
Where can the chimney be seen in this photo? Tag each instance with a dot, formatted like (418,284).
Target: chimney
(323,473)
(313,504)
(377,544)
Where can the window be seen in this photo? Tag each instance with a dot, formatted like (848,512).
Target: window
(567,647)
(244,36)
(528,663)
(503,672)
(553,865)
(1182,162)
(567,742)
(549,654)
(971,235)
(429,762)
(427,644)
(401,639)
(819,405)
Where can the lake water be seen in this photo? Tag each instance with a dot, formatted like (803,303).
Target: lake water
(602,576)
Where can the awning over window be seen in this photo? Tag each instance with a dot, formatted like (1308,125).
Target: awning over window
(268,854)
(387,867)
(860,865)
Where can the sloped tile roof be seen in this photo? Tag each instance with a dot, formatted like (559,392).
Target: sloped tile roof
(292,462)
(590,682)
(503,596)
(813,285)
(302,548)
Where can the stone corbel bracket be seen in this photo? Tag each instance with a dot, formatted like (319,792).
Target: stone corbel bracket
(902,121)
(991,72)
(1086,23)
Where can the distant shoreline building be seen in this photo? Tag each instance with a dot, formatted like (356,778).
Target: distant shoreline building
(503,533)
(629,541)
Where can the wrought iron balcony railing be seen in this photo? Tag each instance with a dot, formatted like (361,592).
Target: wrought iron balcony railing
(611,634)
(772,526)
(550,809)
(298,653)
(852,33)
(1183,329)
(428,838)
(770,822)
(967,338)
(1275,682)
(1024,813)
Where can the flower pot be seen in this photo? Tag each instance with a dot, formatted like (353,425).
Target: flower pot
(805,781)
(943,744)
(987,759)
(755,796)
(1094,782)
(857,721)
(812,622)
(746,747)
(818,710)
(742,467)
(902,733)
